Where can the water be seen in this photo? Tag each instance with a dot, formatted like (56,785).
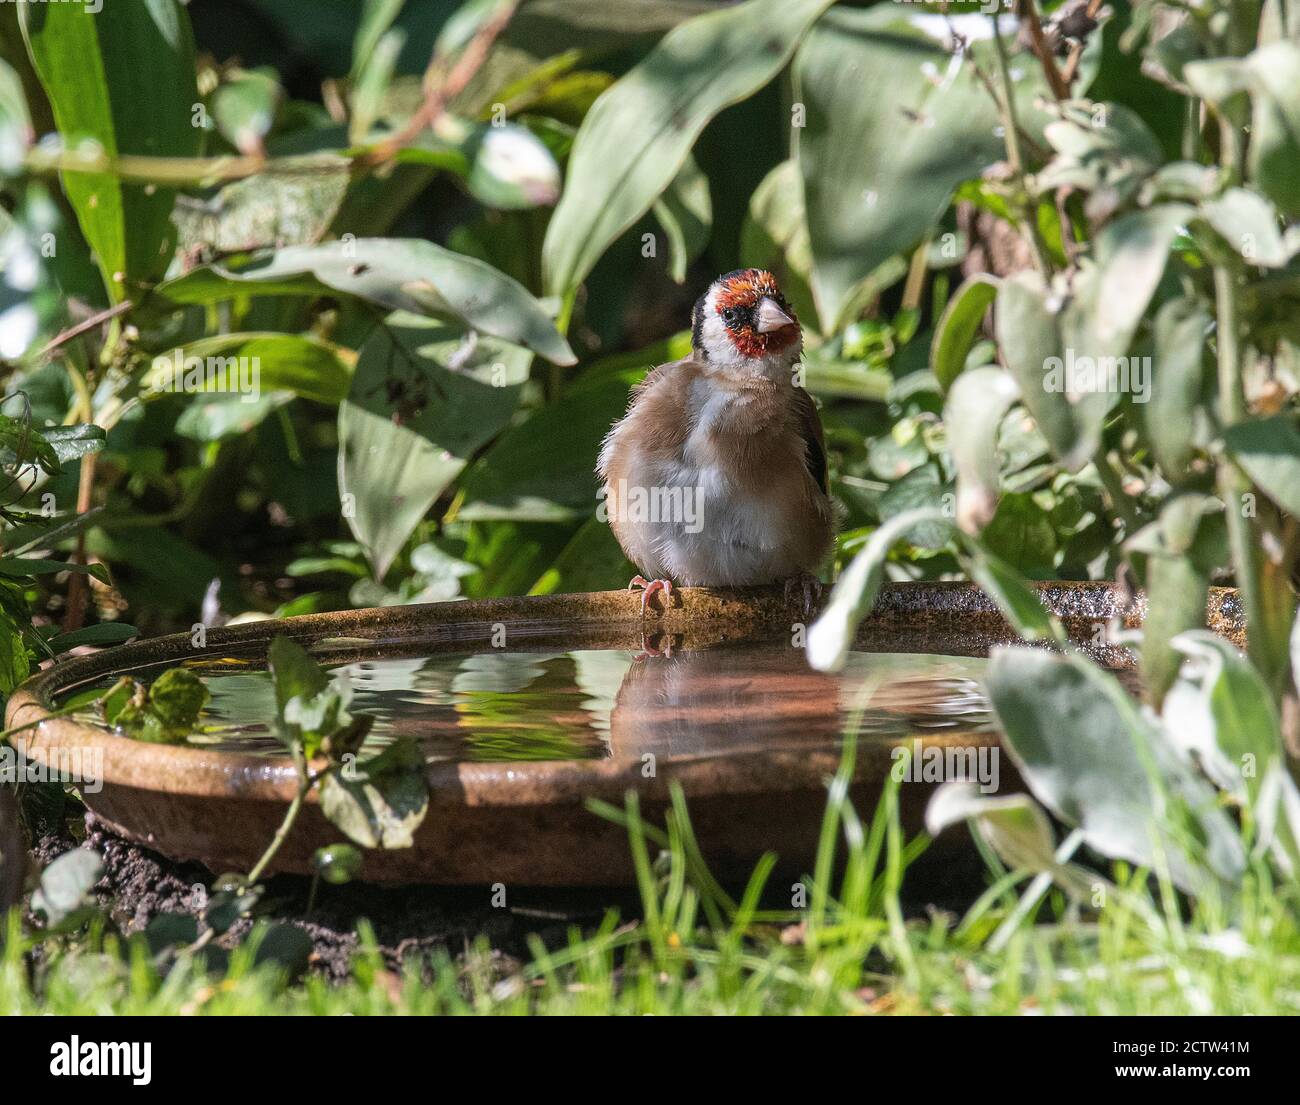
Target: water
(590,704)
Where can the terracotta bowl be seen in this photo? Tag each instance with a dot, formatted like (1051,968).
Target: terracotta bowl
(527,823)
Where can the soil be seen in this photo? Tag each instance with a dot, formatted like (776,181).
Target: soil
(408,922)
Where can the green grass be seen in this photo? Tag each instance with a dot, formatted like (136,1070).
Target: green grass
(695,950)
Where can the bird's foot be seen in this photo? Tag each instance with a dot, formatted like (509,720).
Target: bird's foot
(650,648)
(804,592)
(649,587)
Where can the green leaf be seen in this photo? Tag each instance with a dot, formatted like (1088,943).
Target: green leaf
(19,566)
(244,106)
(685,211)
(1223,706)
(379,802)
(285,945)
(15,123)
(105,633)
(1112,298)
(879,169)
(123,78)
(636,136)
(398,274)
(1249,224)
(831,636)
(164,713)
(1019,602)
(178,697)
(21,444)
(959,326)
(294,672)
(1171,417)
(1269,451)
(1030,340)
(774,237)
(1275,123)
(1089,756)
(248,364)
(423,400)
(64,893)
(337,863)
(976,405)
(543,469)
(74,442)
(15,656)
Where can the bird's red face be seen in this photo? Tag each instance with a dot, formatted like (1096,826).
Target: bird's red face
(744,315)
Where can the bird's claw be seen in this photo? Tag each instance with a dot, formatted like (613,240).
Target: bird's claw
(649,587)
(804,592)
(649,648)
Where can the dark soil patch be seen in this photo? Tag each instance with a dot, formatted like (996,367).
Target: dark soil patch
(411,922)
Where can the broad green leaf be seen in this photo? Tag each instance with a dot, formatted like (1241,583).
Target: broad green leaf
(1249,224)
(879,168)
(1030,340)
(974,410)
(507,167)
(831,636)
(424,399)
(685,211)
(1131,255)
(15,656)
(398,274)
(1094,761)
(379,802)
(1237,717)
(64,892)
(19,566)
(248,364)
(214,417)
(1018,602)
(591,561)
(74,442)
(105,633)
(1269,450)
(544,468)
(1171,417)
(178,697)
(123,79)
(294,673)
(1275,123)
(15,123)
(636,136)
(774,236)
(1015,827)
(269,210)
(959,326)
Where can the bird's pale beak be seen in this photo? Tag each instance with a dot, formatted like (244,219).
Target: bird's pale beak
(770,317)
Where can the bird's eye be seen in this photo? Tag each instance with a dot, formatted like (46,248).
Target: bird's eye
(729,315)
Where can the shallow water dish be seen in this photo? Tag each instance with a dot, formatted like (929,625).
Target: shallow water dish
(733,715)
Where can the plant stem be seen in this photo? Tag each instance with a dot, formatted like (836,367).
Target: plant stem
(1120,501)
(305,782)
(1011,133)
(1233,483)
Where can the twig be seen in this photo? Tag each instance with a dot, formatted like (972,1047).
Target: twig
(1076,51)
(1028,12)
(80,328)
(438,93)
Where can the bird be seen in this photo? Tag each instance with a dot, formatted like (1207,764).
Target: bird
(716,476)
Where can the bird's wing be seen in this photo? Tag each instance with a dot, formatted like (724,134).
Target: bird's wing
(809,425)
